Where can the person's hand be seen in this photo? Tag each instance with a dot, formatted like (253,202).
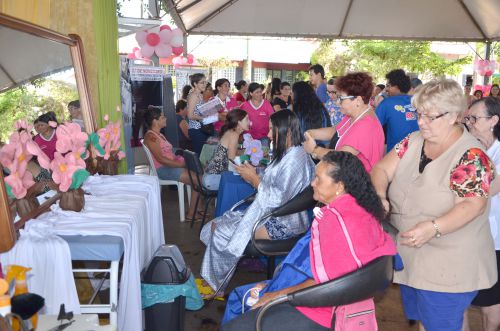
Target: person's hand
(266,298)
(309,142)
(418,235)
(247,172)
(386,204)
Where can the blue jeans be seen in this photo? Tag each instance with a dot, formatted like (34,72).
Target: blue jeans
(198,138)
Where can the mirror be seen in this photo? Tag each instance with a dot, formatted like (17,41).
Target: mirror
(30,52)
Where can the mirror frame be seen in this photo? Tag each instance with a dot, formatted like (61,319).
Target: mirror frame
(8,235)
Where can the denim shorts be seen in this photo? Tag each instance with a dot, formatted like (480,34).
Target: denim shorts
(438,311)
(167,173)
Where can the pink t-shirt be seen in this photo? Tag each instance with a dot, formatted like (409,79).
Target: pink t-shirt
(48,146)
(229,104)
(366,136)
(259,117)
(165,147)
(329,251)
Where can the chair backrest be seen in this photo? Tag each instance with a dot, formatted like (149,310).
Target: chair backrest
(355,286)
(152,168)
(194,166)
(302,201)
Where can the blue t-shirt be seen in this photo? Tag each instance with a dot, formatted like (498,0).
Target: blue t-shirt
(322,93)
(399,116)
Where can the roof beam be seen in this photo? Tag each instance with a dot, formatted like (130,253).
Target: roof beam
(348,11)
(471,17)
(214,13)
(172,9)
(183,9)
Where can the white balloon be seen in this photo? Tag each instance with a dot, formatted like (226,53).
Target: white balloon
(165,36)
(177,41)
(177,32)
(163,50)
(147,50)
(140,36)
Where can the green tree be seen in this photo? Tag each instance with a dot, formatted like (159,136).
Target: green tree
(335,62)
(379,57)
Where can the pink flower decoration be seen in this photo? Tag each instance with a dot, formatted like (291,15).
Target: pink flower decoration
(22,124)
(70,138)
(63,168)
(52,124)
(15,157)
(19,183)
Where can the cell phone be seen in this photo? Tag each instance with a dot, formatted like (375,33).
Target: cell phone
(232,161)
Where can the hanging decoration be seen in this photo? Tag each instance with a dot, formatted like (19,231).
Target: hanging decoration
(485,67)
(164,43)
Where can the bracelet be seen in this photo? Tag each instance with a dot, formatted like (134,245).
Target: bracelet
(313,153)
(436,228)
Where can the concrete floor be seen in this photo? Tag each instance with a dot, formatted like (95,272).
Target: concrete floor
(389,310)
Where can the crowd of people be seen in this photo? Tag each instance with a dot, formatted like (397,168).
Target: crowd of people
(422,156)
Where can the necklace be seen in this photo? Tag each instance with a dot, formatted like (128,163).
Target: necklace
(350,126)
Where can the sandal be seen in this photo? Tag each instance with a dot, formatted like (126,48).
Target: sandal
(207,293)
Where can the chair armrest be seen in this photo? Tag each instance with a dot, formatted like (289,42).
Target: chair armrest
(248,199)
(355,286)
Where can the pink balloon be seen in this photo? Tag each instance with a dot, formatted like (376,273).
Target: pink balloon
(165,27)
(177,32)
(135,49)
(138,54)
(163,50)
(190,59)
(177,50)
(165,36)
(184,60)
(140,36)
(131,56)
(176,60)
(153,39)
(147,50)
(177,65)
(176,41)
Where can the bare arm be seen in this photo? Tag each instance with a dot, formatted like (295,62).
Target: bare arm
(383,173)
(495,186)
(191,105)
(153,144)
(249,174)
(322,133)
(183,125)
(272,295)
(232,147)
(464,211)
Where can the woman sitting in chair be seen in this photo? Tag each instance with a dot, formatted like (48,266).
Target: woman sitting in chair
(351,216)
(289,173)
(168,165)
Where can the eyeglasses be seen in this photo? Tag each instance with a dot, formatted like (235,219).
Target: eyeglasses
(429,119)
(331,92)
(473,119)
(345,97)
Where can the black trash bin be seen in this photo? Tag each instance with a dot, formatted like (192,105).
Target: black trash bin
(167,267)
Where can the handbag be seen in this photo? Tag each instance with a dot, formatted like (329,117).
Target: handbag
(357,316)
(208,129)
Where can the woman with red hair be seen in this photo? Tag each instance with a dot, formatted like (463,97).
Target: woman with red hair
(359,132)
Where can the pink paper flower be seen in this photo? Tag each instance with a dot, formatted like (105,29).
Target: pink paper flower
(63,168)
(70,138)
(52,124)
(23,124)
(15,157)
(19,183)
(109,138)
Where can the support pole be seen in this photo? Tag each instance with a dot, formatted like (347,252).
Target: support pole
(487,54)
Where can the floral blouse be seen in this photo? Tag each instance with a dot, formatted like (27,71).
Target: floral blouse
(219,162)
(471,177)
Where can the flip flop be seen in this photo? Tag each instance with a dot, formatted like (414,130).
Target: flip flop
(207,293)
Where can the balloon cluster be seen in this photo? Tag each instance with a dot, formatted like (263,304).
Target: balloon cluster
(485,67)
(181,60)
(164,43)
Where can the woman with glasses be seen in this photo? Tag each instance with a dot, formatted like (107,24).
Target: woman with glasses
(436,184)
(194,101)
(331,105)
(484,124)
(359,132)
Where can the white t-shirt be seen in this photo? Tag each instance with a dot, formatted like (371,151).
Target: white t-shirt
(494,154)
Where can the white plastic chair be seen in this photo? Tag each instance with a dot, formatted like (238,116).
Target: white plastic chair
(180,185)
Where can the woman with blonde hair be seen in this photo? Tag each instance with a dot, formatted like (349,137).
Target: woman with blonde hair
(436,184)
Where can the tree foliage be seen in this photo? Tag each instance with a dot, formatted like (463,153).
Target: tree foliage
(31,100)
(379,57)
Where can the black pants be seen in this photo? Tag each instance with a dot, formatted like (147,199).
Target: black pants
(280,317)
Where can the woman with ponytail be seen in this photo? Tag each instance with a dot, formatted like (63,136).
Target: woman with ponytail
(236,123)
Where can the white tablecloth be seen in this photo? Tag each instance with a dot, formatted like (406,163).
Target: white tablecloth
(126,206)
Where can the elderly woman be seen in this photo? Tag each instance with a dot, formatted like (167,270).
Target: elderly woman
(359,132)
(290,172)
(483,123)
(439,186)
(344,187)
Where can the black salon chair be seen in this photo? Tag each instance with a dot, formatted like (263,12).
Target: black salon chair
(272,248)
(356,286)
(195,172)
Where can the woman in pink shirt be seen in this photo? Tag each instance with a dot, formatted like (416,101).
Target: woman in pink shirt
(46,137)
(258,110)
(351,203)
(168,165)
(359,132)
(222,86)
